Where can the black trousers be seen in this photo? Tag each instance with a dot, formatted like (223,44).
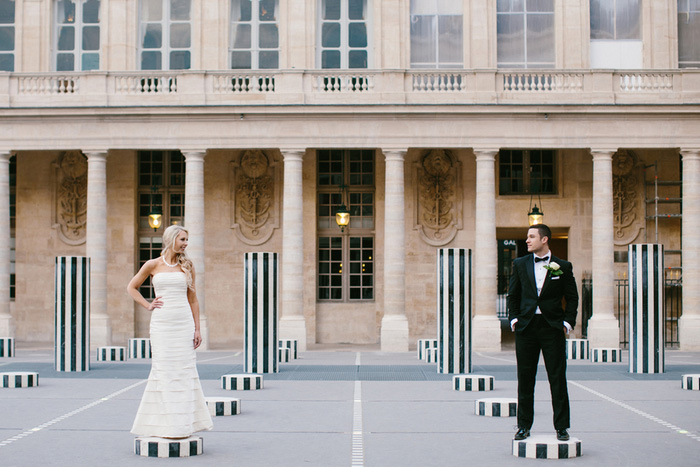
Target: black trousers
(541,336)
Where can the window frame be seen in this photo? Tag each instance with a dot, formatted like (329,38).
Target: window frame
(165,48)
(436,19)
(78,25)
(13,27)
(526,64)
(254,49)
(344,47)
(527,170)
(687,11)
(615,25)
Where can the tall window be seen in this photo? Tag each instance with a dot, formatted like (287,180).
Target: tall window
(7,35)
(525,171)
(77,35)
(436,34)
(255,40)
(346,261)
(343,38)
(688,33)
(525,33)
(162,187)
(616,34)
(166,34)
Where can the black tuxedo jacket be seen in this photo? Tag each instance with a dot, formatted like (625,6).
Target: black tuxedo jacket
(523,299)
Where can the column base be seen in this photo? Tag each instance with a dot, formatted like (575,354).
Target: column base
(486,334)
(394,334)
(7,326)
(294,327)
(689,332)
(100,331)
(603,332)
(204,332)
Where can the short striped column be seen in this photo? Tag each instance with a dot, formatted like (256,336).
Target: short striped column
(245,382)
(472,383)
(111,354)
(223,406)
(72,313)
(604,355)
(496,407)
(431,355)
(7,346)
(454,309)
(646,307)
(164,447)
(423,345)
(283,354)
(577,349)
(139,348)
(292,345)
(547,447)
(690,382)
(19,379)
(260,341)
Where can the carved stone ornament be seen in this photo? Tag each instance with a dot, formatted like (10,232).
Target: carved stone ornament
(254,197)
(70,197)
(438,197)
(628,196)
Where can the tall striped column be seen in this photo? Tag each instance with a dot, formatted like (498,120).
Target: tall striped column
(260,313)
(454,308)
(72,313)
(646,303)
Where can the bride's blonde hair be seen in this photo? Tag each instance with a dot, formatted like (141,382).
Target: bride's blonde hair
(182,259)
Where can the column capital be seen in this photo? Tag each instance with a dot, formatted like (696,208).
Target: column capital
(394,154)
(95,153)
(603,153)
(194,154)
(293,154)
(485,154)
(690,153)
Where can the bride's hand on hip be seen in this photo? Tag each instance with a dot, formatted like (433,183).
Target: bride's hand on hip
(197,339)
(156,303)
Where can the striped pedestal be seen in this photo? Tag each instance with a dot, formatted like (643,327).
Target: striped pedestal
(690,382)
(603,355)
(111,354)
(454,312)
(646,307)
(547,447)
(222,406)
(292,345)
(423,345)
(139,348)
(283,354)
(72,313)
(431,355)
(19,379)
(7,346)
(472,383)
(577,349)
(496,407)
(260,313)
(245,382)
(163,447)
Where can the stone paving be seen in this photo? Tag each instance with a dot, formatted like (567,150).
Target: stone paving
(352,407)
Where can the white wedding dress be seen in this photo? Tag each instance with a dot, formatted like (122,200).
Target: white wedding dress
(173,404)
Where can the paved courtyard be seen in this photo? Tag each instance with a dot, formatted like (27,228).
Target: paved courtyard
(351,407)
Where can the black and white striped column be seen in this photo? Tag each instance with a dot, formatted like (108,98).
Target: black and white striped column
(72,313)
(140,348)
(7,346)
(690,382)
(19,379)
(292,345)
(260,313)
(577,349)
(646,307)
(603,355)
(163,447)
(222,406)
(423,345)
(245,382)
(454,309)
(111,354)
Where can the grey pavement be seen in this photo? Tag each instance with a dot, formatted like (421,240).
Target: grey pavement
(352,406)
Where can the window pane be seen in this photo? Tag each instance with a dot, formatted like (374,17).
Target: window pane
(688,37)
(180,35)
(268,59)
(91,62)
(331,9)
(7,11)
(180,60)
(153,37)
(423,40)
(241,34)
(540,5)
(602,19)
(510,5)
(511,38)
(7,38)
(450,39)
(540,39)
(269,36)
(180,10)
(91,11)
(357,59)
(330,35)
(268,10)
(357,35)
(356,9)
(7,62)
(151,10)
(65,10)
(91,38)
(330,59)
(241,10)
(628,18)
(66,38)
(151,61)
(240,60)
(65,62)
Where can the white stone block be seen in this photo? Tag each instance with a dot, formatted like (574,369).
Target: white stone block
(221,406)
(165,447)
(19,379)
(496,407)
(243,382)
(472,383)
(547,447)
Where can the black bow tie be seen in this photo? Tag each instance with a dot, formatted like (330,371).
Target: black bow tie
(537,260)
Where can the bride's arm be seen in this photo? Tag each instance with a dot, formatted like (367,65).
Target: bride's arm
(135,283)
(194,306)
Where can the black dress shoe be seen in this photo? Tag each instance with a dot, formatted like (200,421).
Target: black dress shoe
(522,433)
(563,435)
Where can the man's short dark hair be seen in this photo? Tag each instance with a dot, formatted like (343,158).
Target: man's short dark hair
(543,230)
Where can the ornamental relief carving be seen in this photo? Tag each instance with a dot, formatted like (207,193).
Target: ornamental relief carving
(438,197)
(254,197)
(628,197)
(70,197)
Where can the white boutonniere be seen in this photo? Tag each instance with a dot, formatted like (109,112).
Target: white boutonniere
(554,269)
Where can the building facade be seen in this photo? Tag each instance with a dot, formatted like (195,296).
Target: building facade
(437,124)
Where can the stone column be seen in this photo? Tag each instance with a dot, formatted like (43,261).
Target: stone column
(603,327)
(96,247)
(486,327)
(194,222)
(394,332)
(7,325)
(689,322)
(292,322)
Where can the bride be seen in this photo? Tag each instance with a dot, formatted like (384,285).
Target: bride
(173,404)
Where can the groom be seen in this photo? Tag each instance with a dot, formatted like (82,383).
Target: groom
(538,284)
